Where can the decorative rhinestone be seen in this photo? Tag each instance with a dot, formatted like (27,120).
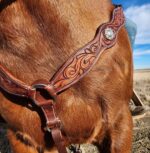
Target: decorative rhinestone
(109,33)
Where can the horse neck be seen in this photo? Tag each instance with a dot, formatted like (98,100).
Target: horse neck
(83,17)
(47,33)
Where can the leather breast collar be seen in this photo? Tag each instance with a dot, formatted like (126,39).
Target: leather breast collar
(73,70)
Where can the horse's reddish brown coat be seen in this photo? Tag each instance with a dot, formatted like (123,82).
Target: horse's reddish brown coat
(36,37)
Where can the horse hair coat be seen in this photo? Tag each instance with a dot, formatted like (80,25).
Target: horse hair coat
(36,38)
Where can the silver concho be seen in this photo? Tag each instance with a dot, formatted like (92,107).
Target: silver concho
(109,33)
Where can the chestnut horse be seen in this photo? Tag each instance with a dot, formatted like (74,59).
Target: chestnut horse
(36,38)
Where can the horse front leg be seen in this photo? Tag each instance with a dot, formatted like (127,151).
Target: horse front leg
(118,137)
(121,133)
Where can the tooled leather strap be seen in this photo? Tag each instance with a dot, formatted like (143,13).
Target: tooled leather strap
(12,85)
(74,69)
(79,64)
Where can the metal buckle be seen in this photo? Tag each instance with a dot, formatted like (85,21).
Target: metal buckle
(44,93)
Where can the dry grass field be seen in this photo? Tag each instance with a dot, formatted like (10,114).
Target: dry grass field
(141,142)
(142,85)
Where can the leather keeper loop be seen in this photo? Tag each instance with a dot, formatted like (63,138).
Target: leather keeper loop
(56,123)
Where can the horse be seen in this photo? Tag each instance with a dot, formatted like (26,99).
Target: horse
(36,38)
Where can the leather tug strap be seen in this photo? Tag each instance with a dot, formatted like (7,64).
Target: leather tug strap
(74,69)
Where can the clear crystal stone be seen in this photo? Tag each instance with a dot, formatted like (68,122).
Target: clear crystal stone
(109,33)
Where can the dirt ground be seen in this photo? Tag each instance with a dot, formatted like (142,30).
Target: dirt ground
(141,141)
